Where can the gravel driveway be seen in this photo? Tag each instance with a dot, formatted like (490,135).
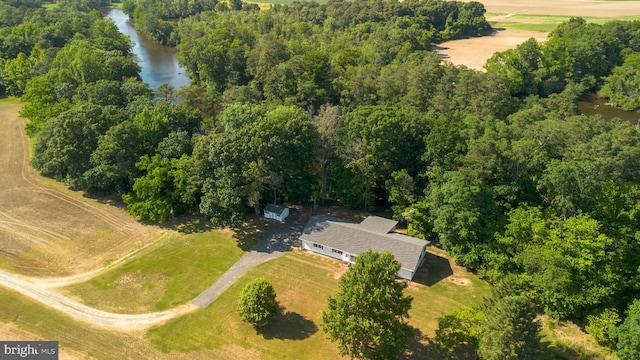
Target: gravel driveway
(274,244)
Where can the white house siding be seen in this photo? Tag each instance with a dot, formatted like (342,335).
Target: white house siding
(284,215)
(405,274)
(346,257)
(275,216)
(325,250)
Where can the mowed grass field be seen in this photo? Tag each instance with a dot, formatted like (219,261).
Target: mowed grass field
(171,272)
(303,282)
(544,23)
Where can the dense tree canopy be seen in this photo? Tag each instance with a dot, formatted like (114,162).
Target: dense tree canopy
(510,330)
(346,102)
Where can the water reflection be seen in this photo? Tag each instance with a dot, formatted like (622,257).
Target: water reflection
(159,63)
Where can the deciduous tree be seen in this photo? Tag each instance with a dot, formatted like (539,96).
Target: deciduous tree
(628,334)
(368,315)
(257,303)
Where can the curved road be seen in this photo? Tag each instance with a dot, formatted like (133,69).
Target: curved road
(272,245)
(85,313)
(18,175)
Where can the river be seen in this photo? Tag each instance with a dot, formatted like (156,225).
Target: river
(591,104)
(159,63)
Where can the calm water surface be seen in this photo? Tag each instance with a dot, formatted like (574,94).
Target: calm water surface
(592,104)
(159,64)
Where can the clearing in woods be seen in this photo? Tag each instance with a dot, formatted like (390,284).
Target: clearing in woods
(47,230)
(517,20)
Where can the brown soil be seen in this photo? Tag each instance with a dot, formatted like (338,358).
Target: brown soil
(473,53)
(458,280)
(47,230)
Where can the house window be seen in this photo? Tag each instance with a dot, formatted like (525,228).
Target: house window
(336,251)
(318,246)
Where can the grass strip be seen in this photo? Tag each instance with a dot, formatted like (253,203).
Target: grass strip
(167,274)
(52,325)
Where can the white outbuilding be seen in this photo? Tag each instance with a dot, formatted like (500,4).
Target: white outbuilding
(276,212)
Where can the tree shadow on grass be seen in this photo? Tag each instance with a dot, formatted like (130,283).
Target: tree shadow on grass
(246,236)
(434,269)
(560,350)
(289,326)
(188,224)
(422,346)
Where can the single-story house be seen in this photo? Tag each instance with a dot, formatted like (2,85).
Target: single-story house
(277,212)
(344,240)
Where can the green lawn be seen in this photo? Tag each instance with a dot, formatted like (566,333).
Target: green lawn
(437,295)
(169,273)
(301,289)
(23,313)
(9,100)
(302,283)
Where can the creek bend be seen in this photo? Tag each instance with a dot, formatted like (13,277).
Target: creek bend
(158,63)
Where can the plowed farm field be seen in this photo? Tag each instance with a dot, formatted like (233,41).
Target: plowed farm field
(46,229)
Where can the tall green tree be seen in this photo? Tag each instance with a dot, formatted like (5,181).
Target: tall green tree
(257,303)
(628,334)
(64,147)
(621,87)
(368,315)
(463,218)
(327,123)
(163,190)
(510,330)
(461,327)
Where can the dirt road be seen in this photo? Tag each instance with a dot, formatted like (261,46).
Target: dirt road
(85,313)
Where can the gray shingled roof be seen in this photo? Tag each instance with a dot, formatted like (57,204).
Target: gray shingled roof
(274,209)
(378,224)
(356,238)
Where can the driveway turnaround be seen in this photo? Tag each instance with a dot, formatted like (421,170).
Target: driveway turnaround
(274,244)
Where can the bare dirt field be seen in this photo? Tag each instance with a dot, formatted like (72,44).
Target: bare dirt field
(473,53)
(595,8)
(46,230)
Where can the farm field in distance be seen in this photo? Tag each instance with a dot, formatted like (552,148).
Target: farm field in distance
(91,251)
(517,21)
